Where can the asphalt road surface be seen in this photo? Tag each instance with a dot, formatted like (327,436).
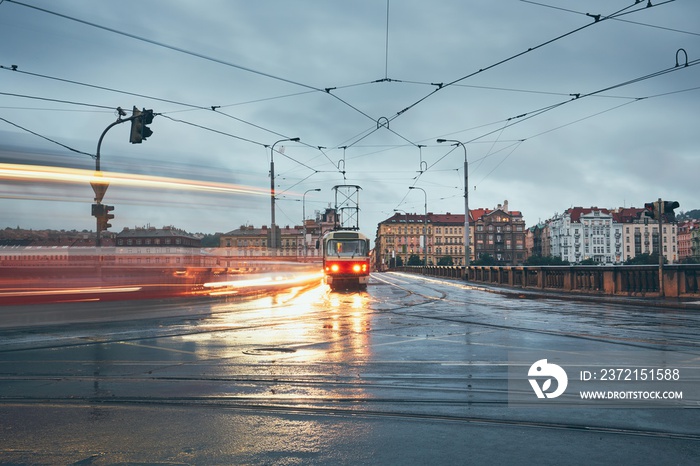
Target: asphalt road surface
(414,370)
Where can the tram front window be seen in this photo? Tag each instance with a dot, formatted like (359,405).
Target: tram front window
(345,248)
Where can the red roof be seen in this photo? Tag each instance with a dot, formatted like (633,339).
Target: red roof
(626,215)
(576,212)
(447,218)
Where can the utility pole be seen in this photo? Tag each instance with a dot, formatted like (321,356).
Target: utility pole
(273,232)
(660,211)
(466,204)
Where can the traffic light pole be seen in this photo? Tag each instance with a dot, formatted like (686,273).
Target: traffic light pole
(98,187)
(98,196)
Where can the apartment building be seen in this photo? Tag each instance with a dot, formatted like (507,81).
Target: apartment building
(581,234)
(497,232)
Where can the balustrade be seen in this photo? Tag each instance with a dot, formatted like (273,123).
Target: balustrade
(632,280)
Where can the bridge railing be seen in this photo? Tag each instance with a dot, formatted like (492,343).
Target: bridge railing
(628,280)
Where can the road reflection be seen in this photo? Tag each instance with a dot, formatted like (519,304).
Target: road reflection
(281,347)
(350,321)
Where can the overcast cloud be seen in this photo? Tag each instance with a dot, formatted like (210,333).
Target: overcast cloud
(568,123)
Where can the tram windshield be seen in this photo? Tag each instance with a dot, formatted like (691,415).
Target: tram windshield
(346,248)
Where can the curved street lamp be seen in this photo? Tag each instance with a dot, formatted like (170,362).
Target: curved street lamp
(425,224)
(273,237)
(303,214)
(466,203)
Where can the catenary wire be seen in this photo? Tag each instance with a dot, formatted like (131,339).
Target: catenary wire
(46,138)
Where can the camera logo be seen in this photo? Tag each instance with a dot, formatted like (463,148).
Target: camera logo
(541,369)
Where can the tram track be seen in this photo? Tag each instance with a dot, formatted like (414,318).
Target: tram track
(244,363)
(336,410)
(629,342)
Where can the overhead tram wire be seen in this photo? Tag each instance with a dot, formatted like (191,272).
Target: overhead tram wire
(619,19)
(638,99)
(103,88)
(150,97)
(164,45)
(164,115)
(206,128)
(575,97)
(47,138)
(159,99)
(441,86)
(48,99)
(223,133)
(193,54)
(326,90)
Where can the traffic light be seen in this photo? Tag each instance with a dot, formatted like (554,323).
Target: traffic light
(102,213)
(97,210)
(139,120)
(668,210)
(650,210)
(107,216)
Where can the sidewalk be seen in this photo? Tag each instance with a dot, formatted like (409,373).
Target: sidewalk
(651,301)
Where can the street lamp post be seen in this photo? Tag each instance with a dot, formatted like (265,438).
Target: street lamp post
(273,235)
(303,214)
(425,223)
(405,232)
(466,203)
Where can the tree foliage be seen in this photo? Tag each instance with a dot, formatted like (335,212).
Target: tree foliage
(446,260)
(414,260)
(211,241)
(644,259)
(545,260)
(695,213)
(485,259)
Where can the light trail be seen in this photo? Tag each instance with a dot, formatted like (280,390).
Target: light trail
(34,173)
(263,280)
(59,291)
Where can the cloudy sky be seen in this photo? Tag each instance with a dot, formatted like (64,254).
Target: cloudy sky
(558,104)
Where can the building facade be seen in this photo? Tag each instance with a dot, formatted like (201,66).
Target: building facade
(607,236)
(641,236)
(685,231)
(585,234)
(166,237)
(297,243)
(151,247)
(448,239)
(399,237)
(498,232)
(695,244)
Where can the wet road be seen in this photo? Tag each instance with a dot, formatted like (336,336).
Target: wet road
(413,370)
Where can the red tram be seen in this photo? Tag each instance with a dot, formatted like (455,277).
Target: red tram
(346,261)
